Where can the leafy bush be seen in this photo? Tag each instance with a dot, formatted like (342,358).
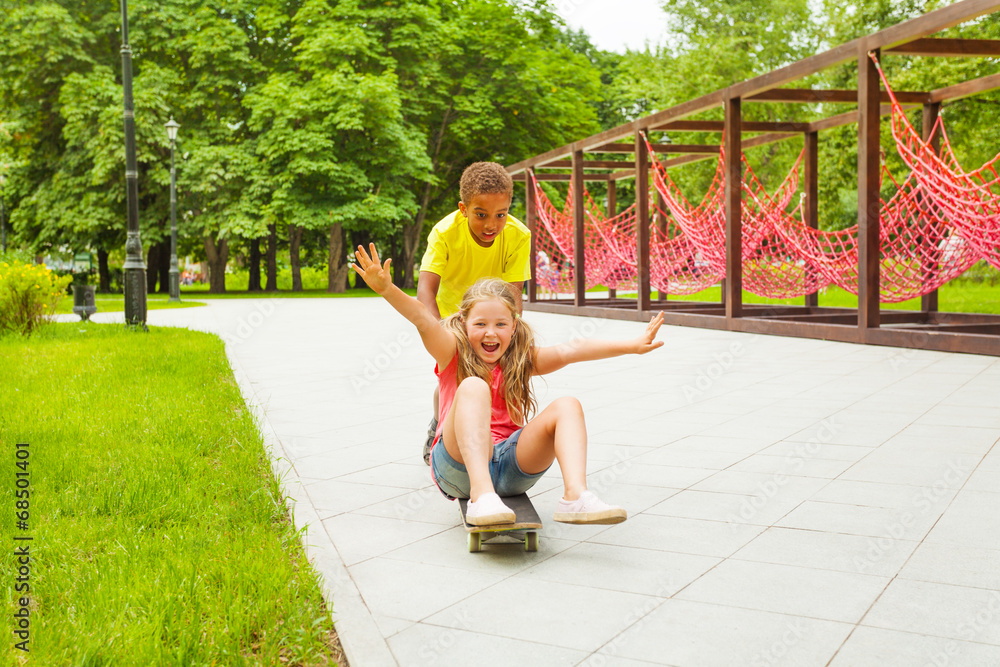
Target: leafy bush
(312,278)
(29,294)
(981,272)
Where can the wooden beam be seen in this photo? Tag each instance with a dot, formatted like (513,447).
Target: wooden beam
(642,222)
(587,164)
(759,140)
(733,289)
(868,194)
(849,118)
(929,301)
(966,89)
(561,177)
(808,96)
(811,188)
(612,212)
(530,221)
(659,148)
(908,31)
(717,126)
(937,46)
(579,270)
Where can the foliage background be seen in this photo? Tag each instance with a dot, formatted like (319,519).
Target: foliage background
(310,126)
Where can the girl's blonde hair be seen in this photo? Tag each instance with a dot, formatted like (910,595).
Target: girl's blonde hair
(516,362)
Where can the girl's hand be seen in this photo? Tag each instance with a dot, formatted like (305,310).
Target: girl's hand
(647,341)
(378,277)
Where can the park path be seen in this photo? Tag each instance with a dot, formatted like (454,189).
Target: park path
(792,502)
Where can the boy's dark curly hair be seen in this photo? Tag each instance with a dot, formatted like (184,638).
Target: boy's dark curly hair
(485,178)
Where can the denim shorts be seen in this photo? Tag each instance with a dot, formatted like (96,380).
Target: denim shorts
(508,478)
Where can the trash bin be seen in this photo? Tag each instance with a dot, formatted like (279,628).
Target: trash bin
(83,300)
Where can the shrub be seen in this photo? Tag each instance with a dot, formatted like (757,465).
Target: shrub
(29,294)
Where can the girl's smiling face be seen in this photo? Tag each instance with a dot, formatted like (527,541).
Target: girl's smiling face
(490,326)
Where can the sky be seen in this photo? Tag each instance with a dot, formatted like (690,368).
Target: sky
(615,25)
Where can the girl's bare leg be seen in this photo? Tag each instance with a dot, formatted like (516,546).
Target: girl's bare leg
(558,432)
(467,436)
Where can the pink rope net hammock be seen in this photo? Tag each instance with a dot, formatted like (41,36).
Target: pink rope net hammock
(969,201)
(937,223)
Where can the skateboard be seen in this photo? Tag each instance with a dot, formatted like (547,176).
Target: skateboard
(524,529)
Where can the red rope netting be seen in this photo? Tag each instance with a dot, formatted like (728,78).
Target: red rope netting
(771,267)
(555,243)
(969,200)
(918,252)
(938,222)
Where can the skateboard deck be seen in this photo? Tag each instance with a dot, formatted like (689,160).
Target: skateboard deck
(524,528)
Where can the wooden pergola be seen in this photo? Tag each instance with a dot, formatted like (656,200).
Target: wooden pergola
(924,329)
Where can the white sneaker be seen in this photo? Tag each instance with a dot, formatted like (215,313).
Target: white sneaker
(588,508)
(488,510)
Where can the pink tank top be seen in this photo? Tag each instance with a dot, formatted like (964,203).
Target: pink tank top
(501,425)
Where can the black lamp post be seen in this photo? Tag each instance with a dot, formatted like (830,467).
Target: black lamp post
(3,226)
(134,267)
(175,283)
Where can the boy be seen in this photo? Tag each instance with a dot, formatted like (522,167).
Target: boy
(478,240)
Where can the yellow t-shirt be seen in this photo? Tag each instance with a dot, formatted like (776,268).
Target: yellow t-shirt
(454,255)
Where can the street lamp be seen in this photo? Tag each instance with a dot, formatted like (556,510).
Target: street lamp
(3,227)
(175,284)
(134,267)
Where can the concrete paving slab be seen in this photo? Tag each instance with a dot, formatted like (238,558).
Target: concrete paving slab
(791,502)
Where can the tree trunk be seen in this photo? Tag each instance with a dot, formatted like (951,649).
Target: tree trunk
(218,256)
(399,273)
(152,261)
(336,273)
(272,259)
(294,241)
(360,237)
(254,283)
(412,233)
(164,266)
(103,271)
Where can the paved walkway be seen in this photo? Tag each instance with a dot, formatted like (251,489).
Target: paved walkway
(792,502)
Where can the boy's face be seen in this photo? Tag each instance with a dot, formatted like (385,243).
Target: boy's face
(487,214)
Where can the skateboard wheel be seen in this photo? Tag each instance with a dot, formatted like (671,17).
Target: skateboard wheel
(475,542)
(531,541)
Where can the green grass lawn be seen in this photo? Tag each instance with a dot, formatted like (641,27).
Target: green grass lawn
(160,537)
(955,297)
(115,303)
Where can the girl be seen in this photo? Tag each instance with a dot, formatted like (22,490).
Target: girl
(485,446)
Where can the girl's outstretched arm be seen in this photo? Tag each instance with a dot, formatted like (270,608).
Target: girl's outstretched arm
(439,341)
(549,359)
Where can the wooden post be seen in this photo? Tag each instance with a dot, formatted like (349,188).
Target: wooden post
(868,193)
(612,212)
(642,223)
(530,220)
(811,188)
(733,287)
(929,301)
(661,225)
(579,270)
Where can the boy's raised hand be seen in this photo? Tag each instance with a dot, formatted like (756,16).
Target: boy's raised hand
(377,276)
(647,341)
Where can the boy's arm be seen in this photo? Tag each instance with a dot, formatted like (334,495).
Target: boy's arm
(549,359)
(427,289)
(439,341)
